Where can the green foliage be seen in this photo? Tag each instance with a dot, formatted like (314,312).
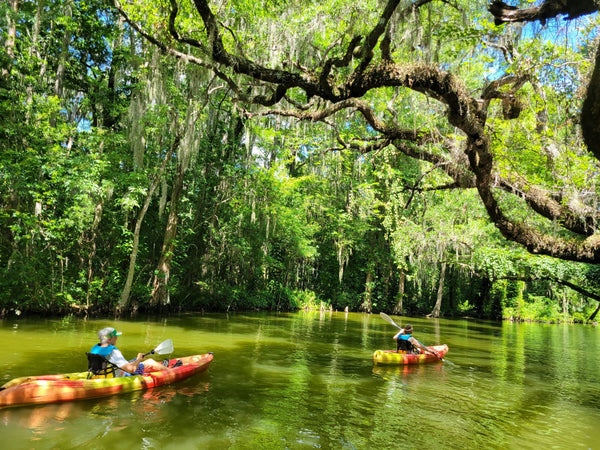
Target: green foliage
(497,300)
(273,214)
(539,309)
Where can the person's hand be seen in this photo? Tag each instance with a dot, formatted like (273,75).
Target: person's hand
(140,356)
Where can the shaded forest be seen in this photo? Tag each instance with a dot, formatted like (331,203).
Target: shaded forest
(414,157)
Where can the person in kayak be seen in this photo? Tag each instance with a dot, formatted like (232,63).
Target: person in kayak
(106,347)
(406,343)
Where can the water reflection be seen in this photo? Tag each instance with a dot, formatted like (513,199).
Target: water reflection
(307,380)
(405,371)
(38,419)
(52,418)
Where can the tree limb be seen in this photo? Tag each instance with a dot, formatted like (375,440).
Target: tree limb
(549,9)
(463,111)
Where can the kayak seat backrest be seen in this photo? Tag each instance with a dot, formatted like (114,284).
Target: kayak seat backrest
(99,365)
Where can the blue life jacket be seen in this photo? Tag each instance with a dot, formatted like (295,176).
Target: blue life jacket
(403,343)
(102,351)
(105,351)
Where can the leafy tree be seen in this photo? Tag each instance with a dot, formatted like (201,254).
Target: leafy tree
(259,155)
(498,133)
(351,60)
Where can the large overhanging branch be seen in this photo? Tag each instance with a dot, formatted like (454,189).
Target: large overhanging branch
(411,143)
(549,9)
(284,80)
(463,112)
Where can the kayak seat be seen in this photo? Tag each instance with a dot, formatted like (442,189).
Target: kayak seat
(99,365)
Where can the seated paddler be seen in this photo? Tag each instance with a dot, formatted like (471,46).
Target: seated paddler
(107,348)
(406,343)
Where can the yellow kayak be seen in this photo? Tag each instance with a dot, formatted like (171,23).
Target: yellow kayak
(393,357)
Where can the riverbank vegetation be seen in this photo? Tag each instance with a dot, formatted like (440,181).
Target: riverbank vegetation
(418,158)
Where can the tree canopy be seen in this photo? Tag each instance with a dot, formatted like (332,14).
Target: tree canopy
(419,156)
(347,60)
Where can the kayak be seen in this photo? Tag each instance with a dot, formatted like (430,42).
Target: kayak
(393,357)
(75,386)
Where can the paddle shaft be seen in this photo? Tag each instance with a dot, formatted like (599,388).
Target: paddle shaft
(384,316)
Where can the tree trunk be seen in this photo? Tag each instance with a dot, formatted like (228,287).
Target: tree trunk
(34,51)
(367,300)
(590,110)
(265,250)
(109,116)
(399,308)
(124,302)
(60,70)
(160,282)
(90,274)
(438,304)
(595,313)
(11,36)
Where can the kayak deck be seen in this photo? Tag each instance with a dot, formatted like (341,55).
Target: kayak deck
(393,357)
(75,386)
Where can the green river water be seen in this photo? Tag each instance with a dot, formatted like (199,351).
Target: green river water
(306,380)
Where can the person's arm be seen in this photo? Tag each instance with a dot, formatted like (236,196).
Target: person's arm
(117,358)
(133,365)
(421,346)
(399,333)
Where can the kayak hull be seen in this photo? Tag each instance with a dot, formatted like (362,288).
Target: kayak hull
(76,386)
(393,357)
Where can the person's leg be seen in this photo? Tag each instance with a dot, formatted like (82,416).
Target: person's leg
(153,366)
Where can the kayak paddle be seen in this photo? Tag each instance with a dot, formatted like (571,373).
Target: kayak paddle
(384,316)
(387,318)
(162,349)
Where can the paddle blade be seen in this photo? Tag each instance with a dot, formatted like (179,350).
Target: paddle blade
(387,318)
(164,347)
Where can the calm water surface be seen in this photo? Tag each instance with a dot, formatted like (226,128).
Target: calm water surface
(306,380)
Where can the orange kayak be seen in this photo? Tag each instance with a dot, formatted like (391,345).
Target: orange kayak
(393,357)
(75,386)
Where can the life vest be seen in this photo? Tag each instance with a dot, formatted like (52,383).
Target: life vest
(403,343)
(102,351)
